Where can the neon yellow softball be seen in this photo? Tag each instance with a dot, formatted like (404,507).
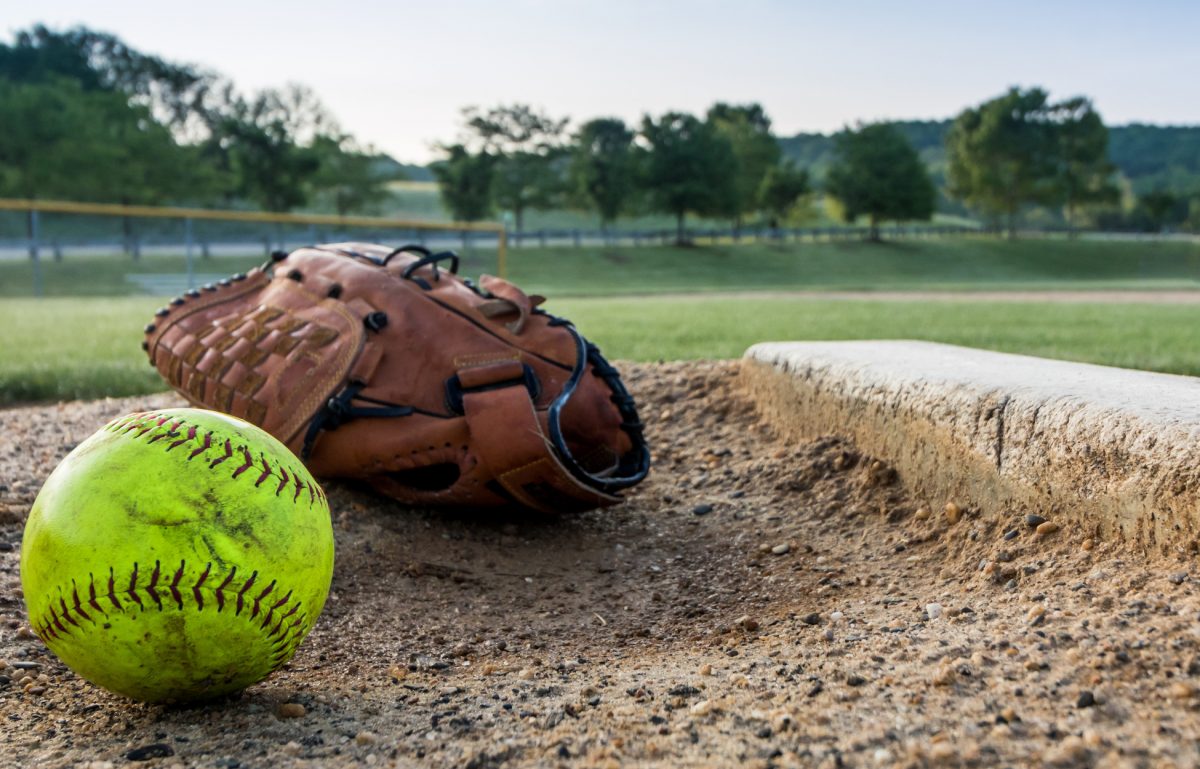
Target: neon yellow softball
(176,556)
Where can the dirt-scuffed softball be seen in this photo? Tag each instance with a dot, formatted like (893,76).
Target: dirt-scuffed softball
(176,556)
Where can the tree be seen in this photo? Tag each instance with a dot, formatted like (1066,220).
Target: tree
(267,166)
(782,187)
(1002,155)
(267,145)
(1161,208)
(687,167)
(354,180)
(877,174)
(98,61)
(465,181)
(64,142)
(755,151)
(603,171)
(527,146)
(1084,172)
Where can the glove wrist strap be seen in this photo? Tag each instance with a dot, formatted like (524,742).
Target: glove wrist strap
(512,442)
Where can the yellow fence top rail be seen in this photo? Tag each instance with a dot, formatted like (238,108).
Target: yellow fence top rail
(112,209)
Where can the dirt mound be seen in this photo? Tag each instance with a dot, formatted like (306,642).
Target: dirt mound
(754,603)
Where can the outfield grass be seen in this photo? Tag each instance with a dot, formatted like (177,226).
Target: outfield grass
(952,263)
(87,348)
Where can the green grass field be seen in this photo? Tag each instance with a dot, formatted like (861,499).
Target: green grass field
(88,348)
(672,303)
(952,263)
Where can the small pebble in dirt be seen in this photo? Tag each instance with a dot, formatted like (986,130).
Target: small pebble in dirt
(1033,521)
(933,610)
(1010,585)
(1182,691)
(835,616)
(1011,534)
(855,680)
(1072,751)
(706,669)
(291,710)
(1047,528)
(6,547)
(1088,544)
(747,623)
(812,619)
(945,675)
(953,512)
(1178,578)
(147,752)
(702,509)
(922,513)
(1086,700)
(365,738)
(781,549)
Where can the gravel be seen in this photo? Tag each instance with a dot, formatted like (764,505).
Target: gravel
(649,634)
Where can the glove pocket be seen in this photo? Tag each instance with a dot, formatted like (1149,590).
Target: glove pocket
(270,353)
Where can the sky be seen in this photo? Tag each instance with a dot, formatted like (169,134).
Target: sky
(397,74)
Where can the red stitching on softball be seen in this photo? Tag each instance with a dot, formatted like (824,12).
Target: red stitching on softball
(196,588)
(79,604)
(248,463)
(201,449)
(132,591)
(53,624)
(262,595)
(67,612)
(175,585)
(92,594)
(153,583)
(242,592)
(220,595)
(266,473)
(228,454)
(112,591)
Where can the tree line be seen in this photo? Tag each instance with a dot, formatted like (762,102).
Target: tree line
(86,117)
(1017,150)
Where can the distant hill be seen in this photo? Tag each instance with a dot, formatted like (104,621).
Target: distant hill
(1150,157)
(386,165)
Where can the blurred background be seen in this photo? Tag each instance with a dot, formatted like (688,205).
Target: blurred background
(681,179)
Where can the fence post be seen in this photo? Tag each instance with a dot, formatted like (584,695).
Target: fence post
(33,252)
(187,253)
(578,238)
(502,254)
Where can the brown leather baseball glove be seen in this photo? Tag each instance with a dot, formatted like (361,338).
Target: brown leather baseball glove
(382,364)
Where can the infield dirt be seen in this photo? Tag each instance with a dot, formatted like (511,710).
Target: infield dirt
(754,603)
